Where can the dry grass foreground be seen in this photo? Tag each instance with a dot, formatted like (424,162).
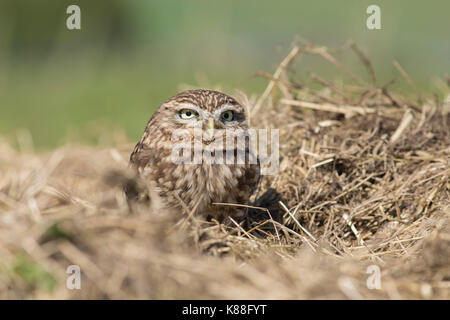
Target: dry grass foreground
(363,179)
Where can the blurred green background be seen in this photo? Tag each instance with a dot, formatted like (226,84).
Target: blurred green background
(131,55)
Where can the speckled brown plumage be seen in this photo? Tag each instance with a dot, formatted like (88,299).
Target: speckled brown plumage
(200,184)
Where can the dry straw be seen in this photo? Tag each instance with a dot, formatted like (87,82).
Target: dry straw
(363,180)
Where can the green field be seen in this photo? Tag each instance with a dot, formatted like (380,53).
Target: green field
(130,56)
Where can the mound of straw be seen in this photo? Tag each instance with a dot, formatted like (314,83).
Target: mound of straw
(363,186)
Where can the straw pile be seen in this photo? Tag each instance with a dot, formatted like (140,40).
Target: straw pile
(363,186)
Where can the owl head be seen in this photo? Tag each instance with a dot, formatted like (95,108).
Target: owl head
(196,126)
(211,111)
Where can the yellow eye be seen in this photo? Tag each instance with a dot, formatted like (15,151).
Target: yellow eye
(188,114)
(227,116)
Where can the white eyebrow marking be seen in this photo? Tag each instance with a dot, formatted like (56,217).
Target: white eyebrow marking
(204,114)
(227,107)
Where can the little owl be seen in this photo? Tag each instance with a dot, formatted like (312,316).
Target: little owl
(186,177)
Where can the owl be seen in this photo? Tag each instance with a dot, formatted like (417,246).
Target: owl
(196,151)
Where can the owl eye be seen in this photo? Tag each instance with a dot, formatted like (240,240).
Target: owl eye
(188,114)
(227,116)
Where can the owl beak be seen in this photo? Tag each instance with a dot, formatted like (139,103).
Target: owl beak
(210,128)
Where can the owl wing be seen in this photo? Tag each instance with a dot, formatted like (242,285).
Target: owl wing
(134,190)
(140,156)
